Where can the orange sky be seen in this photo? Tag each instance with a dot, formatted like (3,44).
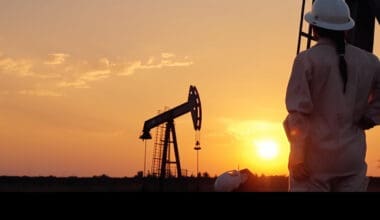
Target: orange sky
(79,78)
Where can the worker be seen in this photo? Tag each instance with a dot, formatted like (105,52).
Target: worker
(332,97)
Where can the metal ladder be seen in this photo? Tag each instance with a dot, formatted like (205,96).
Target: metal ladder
(301,33)
(157,151)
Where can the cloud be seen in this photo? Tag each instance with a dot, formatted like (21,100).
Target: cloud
(95,75)
(105,61)
(23,68)
(78,84)
(132,68)
(167,55)
(19,67)
(151,60)
(39,92)
(164,62)
(59,72)
(56,58)
(105,68)
(82,81)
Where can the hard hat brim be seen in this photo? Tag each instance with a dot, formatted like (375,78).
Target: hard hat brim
(330,26)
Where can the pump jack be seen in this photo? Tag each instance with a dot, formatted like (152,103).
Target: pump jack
(193,105)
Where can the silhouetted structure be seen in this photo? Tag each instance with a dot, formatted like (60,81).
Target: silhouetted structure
(364,12)
(193,105)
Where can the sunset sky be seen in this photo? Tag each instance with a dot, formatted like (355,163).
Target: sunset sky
(78,78)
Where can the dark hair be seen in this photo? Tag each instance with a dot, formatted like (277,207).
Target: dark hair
(339,38)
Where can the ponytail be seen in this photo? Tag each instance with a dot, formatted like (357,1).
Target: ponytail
(341,50)
(340,43)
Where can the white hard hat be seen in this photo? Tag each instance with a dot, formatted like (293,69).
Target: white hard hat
(229,181)
(331,15)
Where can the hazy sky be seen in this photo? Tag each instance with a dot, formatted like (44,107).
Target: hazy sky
(78,78)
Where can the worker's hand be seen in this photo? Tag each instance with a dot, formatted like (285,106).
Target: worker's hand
(296,163)
(299,171)
(366,123)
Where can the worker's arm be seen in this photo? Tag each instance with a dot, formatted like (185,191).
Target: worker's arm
(372,116)
(299,105)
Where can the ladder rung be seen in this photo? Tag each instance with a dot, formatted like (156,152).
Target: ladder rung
(308,35)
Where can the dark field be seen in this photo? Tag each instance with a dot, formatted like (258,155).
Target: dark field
(107,184)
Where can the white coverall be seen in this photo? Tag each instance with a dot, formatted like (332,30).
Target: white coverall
(322,119)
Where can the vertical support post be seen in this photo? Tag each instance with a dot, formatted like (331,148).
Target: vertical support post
(170,129)
(144,174)
(363,12)
(176,152)
(165,151)
(197,162)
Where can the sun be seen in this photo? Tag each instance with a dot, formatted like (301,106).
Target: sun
(266,149)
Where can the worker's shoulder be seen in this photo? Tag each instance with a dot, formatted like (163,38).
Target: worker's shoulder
(304,54)
(358,52)
(318,50)
(311,54)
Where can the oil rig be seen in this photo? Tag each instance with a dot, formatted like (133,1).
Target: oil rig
(166,135)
